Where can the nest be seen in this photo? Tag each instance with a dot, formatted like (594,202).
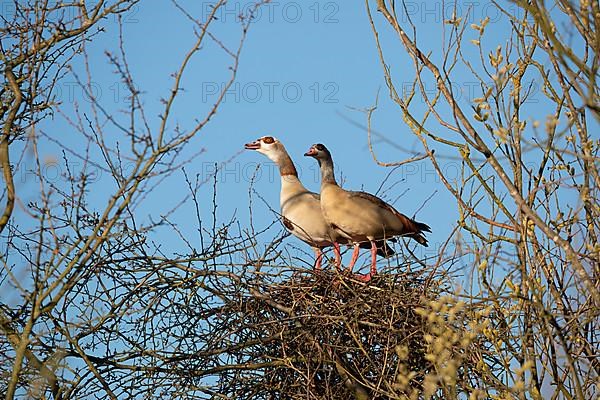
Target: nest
(325,336)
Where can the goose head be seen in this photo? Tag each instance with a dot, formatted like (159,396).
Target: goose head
(319,152)
(269,146)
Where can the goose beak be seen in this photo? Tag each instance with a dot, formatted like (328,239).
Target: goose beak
(312,152)
(252,146)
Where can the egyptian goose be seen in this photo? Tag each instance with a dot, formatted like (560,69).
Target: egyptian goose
(359,216)
(301,209)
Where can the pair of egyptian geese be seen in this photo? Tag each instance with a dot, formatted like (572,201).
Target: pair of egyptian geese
(337,216)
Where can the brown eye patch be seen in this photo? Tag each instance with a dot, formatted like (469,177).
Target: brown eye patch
(320,147)
(268,139)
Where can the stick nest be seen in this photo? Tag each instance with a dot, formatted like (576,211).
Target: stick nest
(323,335)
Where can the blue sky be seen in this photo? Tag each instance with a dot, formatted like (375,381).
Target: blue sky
(305,70)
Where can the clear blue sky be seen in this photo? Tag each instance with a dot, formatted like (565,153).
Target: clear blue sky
(304,67)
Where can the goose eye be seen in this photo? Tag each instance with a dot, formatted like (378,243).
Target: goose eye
(268,139)
(320,147)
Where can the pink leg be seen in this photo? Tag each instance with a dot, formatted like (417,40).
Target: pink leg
(338,256)
(319,258)
(354,258)
(367,277)
(373,259)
